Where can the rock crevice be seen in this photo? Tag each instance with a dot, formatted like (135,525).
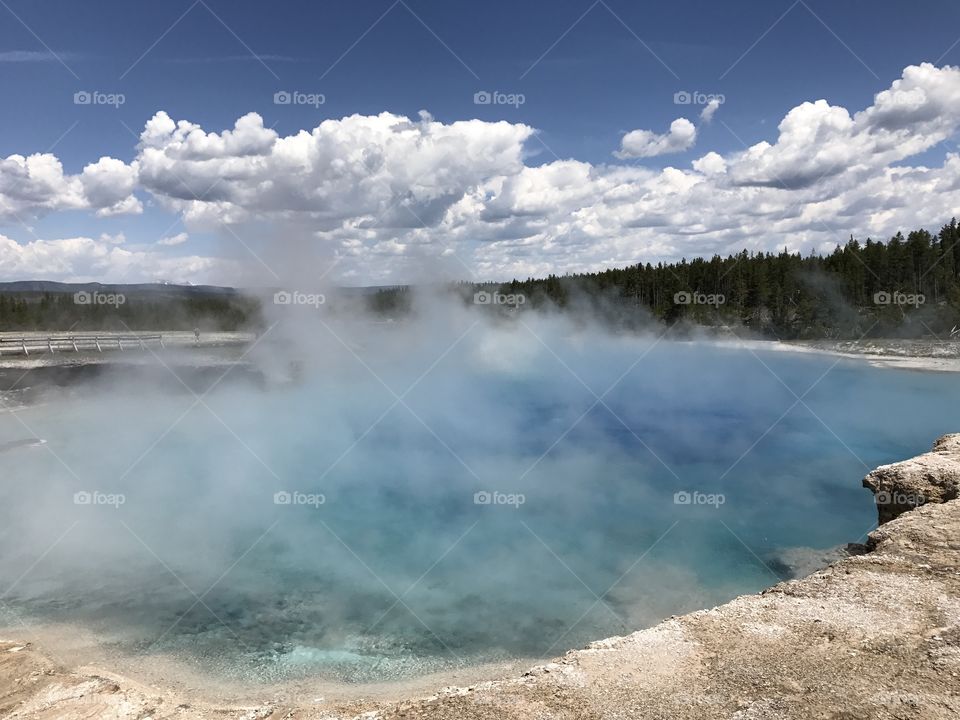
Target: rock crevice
(933,477)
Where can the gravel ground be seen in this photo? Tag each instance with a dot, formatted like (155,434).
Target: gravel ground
(926,355)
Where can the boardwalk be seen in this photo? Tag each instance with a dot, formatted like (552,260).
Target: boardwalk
(35,344)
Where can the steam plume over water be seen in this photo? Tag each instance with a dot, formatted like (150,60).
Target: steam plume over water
(447,490)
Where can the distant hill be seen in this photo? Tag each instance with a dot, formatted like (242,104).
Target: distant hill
(166,289)
(158,289)
(48,305)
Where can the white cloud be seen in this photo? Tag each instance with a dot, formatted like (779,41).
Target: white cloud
(117,239)
(28,56)
(108,186)
(83,259)
(396,199)
(36,184)
(186,141)
(644,143)
(819,140)
(360,170)
(710,164)
(709,110)
(177,239)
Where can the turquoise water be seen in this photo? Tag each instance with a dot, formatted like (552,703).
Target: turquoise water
(386,562)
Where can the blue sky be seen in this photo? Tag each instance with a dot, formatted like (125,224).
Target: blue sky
(588,72)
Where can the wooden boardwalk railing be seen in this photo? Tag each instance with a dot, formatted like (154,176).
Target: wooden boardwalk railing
(76,343)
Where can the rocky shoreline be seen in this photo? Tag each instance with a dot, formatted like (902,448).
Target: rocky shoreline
(875,635)
(927,356)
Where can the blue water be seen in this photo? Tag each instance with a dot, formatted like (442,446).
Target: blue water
(399,571)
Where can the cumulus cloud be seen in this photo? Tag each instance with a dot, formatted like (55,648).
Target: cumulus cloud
(644,143)
(710,164)
(84,259)
(818,140)
(360,170)
(36,184)
(185,141)
(172,240)
(385,194)
(709,110)
(108,186)
(116,239)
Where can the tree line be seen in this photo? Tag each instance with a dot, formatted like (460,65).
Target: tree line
(905,287)
(62,312)
(908,287)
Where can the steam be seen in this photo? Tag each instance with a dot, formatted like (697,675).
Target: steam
(347,499)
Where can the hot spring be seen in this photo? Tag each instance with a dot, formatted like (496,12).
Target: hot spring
(415,498)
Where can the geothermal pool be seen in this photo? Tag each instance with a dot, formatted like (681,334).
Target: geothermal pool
(321,527)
